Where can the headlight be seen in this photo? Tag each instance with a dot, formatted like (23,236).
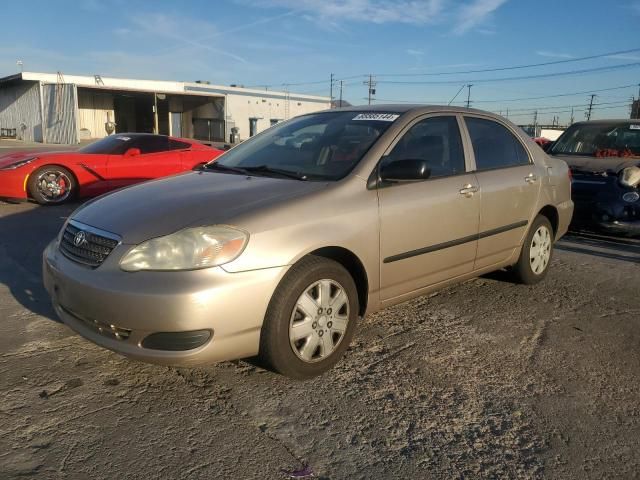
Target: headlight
(13,166)
(189,249)
(630,177)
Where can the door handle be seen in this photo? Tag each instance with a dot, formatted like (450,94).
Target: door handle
(531,178)
(468,190)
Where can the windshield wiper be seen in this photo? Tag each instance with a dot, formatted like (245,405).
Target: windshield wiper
(224,168)
(275,171)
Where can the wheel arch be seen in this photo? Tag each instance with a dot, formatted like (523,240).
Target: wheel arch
(354,266)
(552,215)
(40,167)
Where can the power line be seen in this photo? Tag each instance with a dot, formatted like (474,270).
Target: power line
(524,77)
(593,96)
(515,67)
(557,95)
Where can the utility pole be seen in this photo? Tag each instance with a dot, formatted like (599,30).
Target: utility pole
(590,107)
(507,113)
(469,94)
(331,91)
(372,87)
(535,123)
(340,104)
(571,121)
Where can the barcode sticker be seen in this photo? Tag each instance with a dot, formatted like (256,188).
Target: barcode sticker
(381,117)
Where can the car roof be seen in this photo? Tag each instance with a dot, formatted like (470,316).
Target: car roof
(622,121)
(140,135)
(416,108)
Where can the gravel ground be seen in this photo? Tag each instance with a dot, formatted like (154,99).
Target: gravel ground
(484,379)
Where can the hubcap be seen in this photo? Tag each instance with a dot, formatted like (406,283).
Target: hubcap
(540,250)
(319,320)
(53,185)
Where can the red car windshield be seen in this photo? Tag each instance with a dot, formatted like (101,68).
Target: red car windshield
(600,140)
(111,145)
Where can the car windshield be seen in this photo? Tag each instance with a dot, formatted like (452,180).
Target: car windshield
(321,146)
(600,140)
(111,145)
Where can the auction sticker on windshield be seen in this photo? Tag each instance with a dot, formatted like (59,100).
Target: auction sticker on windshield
(383,117)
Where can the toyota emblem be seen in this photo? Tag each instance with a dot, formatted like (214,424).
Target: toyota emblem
(80,238)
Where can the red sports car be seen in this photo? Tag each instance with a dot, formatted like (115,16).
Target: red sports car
(113,162)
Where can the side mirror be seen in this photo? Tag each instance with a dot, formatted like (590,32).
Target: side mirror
(132,152)
(405,170)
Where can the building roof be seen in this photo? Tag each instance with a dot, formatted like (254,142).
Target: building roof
(158,86)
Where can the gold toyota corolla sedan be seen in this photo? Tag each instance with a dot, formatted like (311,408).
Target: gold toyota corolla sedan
(282,244)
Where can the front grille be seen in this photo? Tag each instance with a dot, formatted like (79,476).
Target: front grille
(104,329)
(87,245)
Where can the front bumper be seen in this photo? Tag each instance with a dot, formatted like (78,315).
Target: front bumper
(13,184)
(118,310)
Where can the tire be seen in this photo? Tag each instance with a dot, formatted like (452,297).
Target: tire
(52,185)
(536,253)
(324,334)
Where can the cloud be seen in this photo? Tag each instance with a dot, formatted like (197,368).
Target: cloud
(415,53)
(475,13)
(549,54)
(367,11)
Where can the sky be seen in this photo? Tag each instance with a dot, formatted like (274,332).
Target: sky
(417,50)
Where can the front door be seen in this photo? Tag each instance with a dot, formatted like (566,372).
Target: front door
(155,160)
(509,184)
(428,229)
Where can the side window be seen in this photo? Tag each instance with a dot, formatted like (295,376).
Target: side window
(176,145)
(435,140)
(152,144)
(494,145)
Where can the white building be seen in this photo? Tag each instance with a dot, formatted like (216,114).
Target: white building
(56,108)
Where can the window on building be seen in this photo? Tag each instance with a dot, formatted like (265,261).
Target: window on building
(253,126)
(274,121)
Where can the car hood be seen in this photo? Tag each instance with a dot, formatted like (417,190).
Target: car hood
(11,158)
(598,165)
(164,206)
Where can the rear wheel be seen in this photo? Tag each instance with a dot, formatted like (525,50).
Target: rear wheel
(52,185)
(310,320)
(536,253)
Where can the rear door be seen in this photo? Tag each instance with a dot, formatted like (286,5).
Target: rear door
(509,188)
(428,229)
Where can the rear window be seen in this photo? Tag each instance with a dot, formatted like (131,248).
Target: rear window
(600,140)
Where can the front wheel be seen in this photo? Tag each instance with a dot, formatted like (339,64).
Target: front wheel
(536,253)
(310,320)
(52,185)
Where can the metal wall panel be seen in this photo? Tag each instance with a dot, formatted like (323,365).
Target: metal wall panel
(20,109)
(94,110)
(60,101)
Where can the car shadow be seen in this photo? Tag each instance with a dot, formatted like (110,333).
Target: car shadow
(25,231)
(614,248)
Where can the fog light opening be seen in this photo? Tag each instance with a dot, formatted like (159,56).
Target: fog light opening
(176,341)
